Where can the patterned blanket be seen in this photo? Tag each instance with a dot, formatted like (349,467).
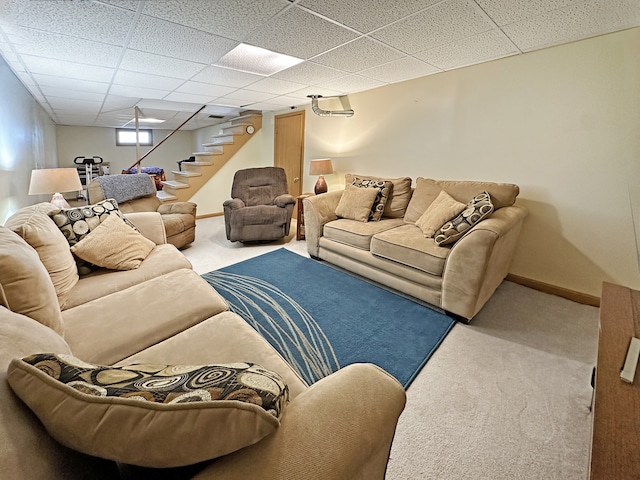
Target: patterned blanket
(126,187)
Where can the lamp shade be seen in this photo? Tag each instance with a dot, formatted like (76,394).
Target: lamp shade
(321,166)
(54,180)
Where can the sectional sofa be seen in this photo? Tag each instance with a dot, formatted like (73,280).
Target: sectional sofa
(160,322)
(420,240)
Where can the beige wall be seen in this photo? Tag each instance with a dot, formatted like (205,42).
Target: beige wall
(563,123)
(27,141)
(89,141)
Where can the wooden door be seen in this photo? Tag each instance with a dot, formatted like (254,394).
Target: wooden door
(289,148)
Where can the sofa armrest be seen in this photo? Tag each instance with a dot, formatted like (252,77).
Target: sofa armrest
(319,210)
(178,207)
(233,204)
(340,428)
(150,225)
(283,200)
(480,260)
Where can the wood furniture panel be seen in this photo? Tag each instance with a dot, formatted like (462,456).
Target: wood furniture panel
(300,217)
(615,451)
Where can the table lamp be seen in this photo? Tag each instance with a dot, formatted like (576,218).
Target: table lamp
(55,181)
(320,166)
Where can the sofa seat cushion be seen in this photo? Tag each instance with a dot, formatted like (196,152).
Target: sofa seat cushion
(114,327)
(162,259)
(357,234)
(25,285)
(407,245)
(176,223)
(150,415)
(260,215)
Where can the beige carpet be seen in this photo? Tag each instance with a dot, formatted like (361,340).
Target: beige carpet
(506,397)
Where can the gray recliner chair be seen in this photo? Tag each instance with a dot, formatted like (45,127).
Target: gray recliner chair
(260,208)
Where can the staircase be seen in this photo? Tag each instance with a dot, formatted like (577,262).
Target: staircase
(233,135)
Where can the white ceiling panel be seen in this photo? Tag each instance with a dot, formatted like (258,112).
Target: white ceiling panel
(568,24)
(478,48)
(367,16)
(233,19)
(166,38)
(399,70)
(158,54)
(283,34)
(358,55)
(441,24)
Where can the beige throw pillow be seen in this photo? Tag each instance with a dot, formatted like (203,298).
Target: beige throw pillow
(113,244)
(356,203)
(478,208)
(443,209)
(150,415)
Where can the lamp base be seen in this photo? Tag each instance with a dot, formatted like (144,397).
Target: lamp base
(321,186)
(59,201)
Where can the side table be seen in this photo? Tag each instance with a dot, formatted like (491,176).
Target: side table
(300,218)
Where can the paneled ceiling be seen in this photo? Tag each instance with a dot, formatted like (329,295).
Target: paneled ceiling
(90,62)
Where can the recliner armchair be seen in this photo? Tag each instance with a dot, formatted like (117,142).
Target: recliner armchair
(260,208)
(137,193)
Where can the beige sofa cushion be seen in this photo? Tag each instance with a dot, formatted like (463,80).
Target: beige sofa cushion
(426,191)
(25,286)
(34,225)
(407,245)
(478,208)
(113,244)
(357,234)
(384,190)
(443,209)
(398,198)
(150,415)
(356,203)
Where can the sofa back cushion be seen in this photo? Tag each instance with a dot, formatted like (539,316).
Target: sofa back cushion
(25,285)
(427,190)
(36,228)
(398,198)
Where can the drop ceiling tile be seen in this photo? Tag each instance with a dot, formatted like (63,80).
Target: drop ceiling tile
(88,20)
(142,92)
(66,104)
(226,77)
(399,70)
(275,86)
(248,95)
(575,22)
(478,48)
(62,68)
(71,83)
(504,12)
(74,119)
(351,84)
(161,37)
(28,41)
(117,104)
(309,72)
(126,4)
(207,89)
(136,79)
(358,55)
(144,62)
(287,101)
(300,34)
(72,94)
(435,26)
(233,19)
(314,90)
(265,106)
(369,15)
(188,98)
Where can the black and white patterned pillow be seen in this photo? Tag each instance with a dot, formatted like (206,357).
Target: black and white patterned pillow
(384,190)
(478,208)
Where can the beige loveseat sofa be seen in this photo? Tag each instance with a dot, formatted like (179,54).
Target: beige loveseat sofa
(393,251)
(164,313)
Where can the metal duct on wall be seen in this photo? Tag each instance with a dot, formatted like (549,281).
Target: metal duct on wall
(327,113)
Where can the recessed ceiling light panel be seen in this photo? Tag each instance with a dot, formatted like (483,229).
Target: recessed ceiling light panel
(250,59)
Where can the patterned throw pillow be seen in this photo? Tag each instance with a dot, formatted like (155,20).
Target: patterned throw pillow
(150,415)
(76,223)
(384,190)
(478,208)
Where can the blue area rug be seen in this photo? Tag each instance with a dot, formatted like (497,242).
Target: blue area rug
(320,318)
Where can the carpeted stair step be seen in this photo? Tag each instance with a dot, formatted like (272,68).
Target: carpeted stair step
(164,196)
(186,173)
(175,184)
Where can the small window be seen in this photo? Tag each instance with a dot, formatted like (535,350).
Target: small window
(127,136)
